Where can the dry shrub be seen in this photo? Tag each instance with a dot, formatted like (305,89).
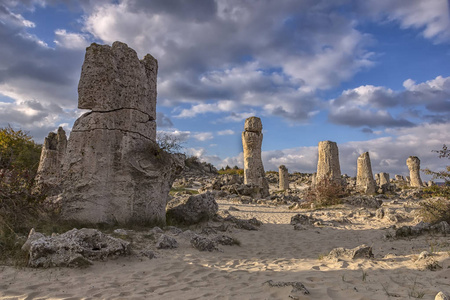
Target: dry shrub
(435,210)
(20,209)
(436,191)
(326,192)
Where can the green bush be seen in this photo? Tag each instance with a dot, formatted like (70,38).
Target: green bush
(239,172)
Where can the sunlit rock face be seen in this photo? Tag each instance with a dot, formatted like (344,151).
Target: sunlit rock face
(114,171)
(364,176)
(253,167)
(328,167)
(413,163)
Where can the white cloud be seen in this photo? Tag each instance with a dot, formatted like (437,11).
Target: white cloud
(370,105)
(225,132)
(203,136)
(70,40)
(431,16)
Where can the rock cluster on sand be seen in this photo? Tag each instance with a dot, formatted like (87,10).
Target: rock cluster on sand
(413,163)
(364,176)
(253,167)
(52,157)
(74,248)
(114,171)
(283,178)
(328,167)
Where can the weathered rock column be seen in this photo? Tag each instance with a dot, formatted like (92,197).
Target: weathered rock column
(52,156)
(413,163)
(283,176)
(114,171)
(385,183)
(253,167)
(328,164)
(364,176)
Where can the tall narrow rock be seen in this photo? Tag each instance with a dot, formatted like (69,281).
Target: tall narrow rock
(253,167)
(52,156)
(114,171)
(413,163)
(364,176)
(328,164)
(283,176)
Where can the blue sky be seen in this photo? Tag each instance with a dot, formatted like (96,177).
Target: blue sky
(371,75)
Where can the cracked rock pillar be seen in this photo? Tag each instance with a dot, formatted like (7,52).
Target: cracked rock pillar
(114,172)
(50,164)
(413,163)
(364,176)
(253,167)
(283,175)
(328,167)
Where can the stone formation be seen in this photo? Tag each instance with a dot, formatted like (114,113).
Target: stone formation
(114,171)
(283,175)
(253,167)
(413,163)
(364,176)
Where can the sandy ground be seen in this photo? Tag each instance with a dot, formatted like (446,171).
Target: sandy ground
(275,252)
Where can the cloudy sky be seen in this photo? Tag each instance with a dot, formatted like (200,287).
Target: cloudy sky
(372,75)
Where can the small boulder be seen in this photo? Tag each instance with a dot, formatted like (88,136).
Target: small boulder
(362,251)
(192,209)
(203,244)
(166,242)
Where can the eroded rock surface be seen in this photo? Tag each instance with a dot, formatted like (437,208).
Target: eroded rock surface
(192,209)
(413,163)
(328,167)
(114,171)
(75,248)
(253,167)
(52,157)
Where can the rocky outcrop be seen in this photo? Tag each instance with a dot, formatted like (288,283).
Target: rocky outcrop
(75,248)
(192,209)
(413,163)
(328,167)
(253,167)
(364,176)
(52,157)
(283,178)
(114,171)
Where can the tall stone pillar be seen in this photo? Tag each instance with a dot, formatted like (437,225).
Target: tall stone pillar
(283,176)
(114,171)
(52,156)
(328,164)
(413,163)
(253,167)
(364,176)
